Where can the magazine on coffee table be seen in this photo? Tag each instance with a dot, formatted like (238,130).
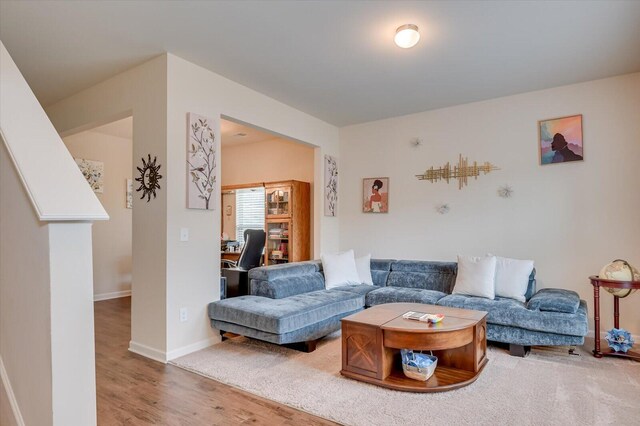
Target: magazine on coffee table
(421,316)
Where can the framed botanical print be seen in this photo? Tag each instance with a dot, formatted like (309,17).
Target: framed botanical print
(330,186)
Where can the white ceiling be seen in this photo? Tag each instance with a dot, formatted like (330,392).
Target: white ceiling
(332,59)
(120,129)
(231,134)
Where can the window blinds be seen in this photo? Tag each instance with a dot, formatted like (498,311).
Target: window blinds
(249,211)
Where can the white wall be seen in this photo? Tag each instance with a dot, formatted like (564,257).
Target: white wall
(169,274)
(570,218)
(270,161)
(72,333)
(193,267)
(7,417)
(142,93)
(47,358)
(267,161)
(111,239)
(25,311)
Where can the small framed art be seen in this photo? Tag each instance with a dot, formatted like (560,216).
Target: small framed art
(331,186)
(560,140)
(375,195)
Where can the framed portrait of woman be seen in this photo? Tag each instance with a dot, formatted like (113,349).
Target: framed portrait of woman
(375,195)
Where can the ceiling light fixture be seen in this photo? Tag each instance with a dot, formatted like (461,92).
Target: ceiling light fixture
(407,36)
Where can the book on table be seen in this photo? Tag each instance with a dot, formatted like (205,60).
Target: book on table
(424,317)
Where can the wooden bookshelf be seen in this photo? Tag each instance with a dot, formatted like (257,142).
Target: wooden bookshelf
(287,222)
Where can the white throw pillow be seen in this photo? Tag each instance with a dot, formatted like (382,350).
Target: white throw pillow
(476,276)
(363,265)
(512,277)
(340,269)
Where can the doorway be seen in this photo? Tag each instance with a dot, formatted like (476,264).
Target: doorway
(104,154)
(251,158)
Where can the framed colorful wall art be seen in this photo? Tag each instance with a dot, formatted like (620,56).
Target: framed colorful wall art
(560,140)
(375,193)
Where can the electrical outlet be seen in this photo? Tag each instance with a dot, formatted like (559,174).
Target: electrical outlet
(184,314)
(184,234)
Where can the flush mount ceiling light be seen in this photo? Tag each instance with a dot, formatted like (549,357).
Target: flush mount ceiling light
(407,36)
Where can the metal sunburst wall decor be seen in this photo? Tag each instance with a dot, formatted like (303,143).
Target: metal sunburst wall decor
(149,178)
(462,171)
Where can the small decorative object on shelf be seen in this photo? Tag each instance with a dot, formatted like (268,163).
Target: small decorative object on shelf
(619,340)
(418,366)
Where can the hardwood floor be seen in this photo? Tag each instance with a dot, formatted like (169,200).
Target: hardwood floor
(133,390)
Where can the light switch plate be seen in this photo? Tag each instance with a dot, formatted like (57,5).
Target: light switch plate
(184,234)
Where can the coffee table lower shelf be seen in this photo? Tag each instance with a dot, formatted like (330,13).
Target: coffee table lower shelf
(372,340)
(443,379)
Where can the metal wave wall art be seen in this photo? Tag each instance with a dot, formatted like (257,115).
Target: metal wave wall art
(462,172)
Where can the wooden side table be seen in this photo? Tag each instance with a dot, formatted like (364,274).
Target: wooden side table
(598,282)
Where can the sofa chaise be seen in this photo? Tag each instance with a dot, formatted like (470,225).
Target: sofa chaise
(289,305)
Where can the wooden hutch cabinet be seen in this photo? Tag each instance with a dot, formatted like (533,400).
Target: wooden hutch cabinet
(287,222)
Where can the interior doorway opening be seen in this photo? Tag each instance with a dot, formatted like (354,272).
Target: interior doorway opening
(104,154)
(267,183)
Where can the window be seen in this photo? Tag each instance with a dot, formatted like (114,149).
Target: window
(249,211)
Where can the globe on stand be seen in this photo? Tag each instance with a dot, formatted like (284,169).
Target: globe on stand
(620,270)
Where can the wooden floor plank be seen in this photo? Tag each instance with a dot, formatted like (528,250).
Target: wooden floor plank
(134,390)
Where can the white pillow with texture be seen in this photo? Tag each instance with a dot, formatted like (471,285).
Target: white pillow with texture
(363,265)
(512,277)
(476,276)
(340,269)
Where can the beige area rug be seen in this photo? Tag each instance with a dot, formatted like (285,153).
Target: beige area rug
(549,387)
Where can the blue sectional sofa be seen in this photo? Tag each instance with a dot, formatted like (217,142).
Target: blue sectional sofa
(289,304)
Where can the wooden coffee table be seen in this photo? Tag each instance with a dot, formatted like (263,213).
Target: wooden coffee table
(372,339)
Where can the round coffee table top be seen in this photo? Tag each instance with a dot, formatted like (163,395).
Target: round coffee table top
(389,317)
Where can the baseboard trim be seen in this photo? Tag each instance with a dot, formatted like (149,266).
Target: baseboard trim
(185,350)
(147,351)
(6,384)
(114,295)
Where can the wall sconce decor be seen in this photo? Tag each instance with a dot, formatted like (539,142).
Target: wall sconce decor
(505,191)
(462,172)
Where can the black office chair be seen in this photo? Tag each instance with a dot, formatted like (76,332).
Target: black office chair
(251,253)
(237,280)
